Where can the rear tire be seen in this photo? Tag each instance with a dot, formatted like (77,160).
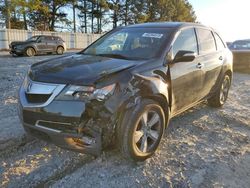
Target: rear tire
(30,52)
(141,130)
(59,50)
(220,97)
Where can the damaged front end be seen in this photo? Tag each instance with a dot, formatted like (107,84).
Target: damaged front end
(102,116)
(84,118)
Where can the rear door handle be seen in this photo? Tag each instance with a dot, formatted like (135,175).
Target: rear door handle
(199,66)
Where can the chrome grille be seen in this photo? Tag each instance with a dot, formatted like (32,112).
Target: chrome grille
(39,94)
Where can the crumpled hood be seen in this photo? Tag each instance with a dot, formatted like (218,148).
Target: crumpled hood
(77,69)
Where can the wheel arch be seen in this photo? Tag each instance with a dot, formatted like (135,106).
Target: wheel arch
(60,46)
(133,101)
(30,47)
(163,102)
(225,70)
(229,73)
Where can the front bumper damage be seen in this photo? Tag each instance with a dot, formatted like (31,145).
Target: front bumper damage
(82,126)
(15,50)
(63,127)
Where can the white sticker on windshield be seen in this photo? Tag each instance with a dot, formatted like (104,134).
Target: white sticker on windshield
(153,35)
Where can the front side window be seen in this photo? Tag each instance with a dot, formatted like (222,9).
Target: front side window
(206,41)
(41,39)
(33,39)
(186,41)
(131,43)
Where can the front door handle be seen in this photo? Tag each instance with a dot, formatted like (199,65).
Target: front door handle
(199,66)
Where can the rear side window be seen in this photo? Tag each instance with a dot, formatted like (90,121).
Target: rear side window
(58,38)
(186,40)
(206,41)
(219,43)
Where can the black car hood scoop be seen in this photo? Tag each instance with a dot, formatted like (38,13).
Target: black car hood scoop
(77,69)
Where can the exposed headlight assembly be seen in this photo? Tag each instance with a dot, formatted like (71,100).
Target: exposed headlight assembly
(74,92)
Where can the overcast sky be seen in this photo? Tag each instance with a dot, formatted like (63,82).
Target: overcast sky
(230,17)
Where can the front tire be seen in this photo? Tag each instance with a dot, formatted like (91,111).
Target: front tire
(221,94)
(141,130)
(30,52)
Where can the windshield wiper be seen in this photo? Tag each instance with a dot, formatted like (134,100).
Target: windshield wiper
(119,56)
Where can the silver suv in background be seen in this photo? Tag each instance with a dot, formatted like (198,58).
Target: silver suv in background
(39,44)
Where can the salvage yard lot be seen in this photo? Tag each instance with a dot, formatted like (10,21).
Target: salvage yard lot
(203,147)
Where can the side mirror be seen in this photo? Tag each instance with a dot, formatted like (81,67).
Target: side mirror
(39,41)
(184,56)
(169,57)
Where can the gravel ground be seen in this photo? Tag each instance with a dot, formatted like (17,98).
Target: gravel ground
(203,147)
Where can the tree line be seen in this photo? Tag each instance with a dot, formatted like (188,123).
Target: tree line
(90,15)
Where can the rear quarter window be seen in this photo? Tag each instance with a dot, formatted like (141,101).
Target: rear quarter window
(219,43)
(206,41)
(58,39)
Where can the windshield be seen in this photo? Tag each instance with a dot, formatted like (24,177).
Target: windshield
(240,45)
(131,43)
(33,38)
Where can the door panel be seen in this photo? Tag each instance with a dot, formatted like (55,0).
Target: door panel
(212,68)
(41,44)
(50,44)
(210,57)
(187,82)
(187,77)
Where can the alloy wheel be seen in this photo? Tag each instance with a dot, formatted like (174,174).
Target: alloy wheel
(60,50)
(30,52)
(148,131)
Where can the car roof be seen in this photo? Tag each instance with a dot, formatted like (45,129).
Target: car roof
(46,36)
(166,25)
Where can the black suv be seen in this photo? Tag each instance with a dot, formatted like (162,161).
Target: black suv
(38,45)
(125,87)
